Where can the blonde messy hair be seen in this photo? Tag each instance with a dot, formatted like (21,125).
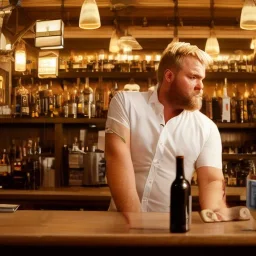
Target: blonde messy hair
(174,54)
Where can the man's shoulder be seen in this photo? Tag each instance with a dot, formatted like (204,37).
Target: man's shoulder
(202,118)
(133,95)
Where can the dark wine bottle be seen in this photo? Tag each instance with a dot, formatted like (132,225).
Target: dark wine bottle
(181,201)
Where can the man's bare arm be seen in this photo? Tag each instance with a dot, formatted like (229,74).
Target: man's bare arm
(211,188)
(120,172)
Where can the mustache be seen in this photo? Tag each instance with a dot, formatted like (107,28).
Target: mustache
(198,93)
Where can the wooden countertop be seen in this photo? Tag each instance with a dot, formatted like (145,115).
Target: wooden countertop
(102,228)
(89,193)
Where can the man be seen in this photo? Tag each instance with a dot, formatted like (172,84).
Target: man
(145,131)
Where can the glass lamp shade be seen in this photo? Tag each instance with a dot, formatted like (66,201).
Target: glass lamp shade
(113,44)
(248,15)
(212,46)
(129,40)
(89,15)
(20,57)
(253,42)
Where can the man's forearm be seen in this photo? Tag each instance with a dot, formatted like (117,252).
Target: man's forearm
(121,181)
(212,195)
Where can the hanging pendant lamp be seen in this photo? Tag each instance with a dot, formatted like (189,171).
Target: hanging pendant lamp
(248,15)
(113,44)
(89,15)
(20,57)
(212,45)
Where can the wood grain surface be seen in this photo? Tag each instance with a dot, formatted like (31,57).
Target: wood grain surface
(96,228)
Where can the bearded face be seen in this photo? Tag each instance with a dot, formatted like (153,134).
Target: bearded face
(185,91)
(182,99)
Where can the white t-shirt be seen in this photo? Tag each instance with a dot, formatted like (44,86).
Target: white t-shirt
(155,145)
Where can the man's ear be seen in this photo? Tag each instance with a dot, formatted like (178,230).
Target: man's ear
(168,75)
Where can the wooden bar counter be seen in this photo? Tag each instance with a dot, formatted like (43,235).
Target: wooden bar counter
(88,198)
(99,231)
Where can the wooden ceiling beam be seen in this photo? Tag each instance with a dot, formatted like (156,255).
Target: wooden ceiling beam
(157,32)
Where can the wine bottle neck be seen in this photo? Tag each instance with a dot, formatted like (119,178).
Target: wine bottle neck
(179,167)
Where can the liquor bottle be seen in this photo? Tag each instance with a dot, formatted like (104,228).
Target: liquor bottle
(181,200)
(2,93)
(251,106)
(251,188)
(51,101)
(225,173)
(208,106)
(88,99)
(80,104)
(99,99)
(246,95)
(225,103)
(233,104)
(216,106)
(72,104)
(240,108)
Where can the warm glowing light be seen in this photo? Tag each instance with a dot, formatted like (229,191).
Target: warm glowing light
(89,15)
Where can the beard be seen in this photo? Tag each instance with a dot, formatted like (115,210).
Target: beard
(188,101)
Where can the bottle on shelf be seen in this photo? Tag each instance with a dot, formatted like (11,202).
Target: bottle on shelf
(72,104)
(66,99)
(225,103)
(99,99)
(51,101)
(225,172)
(181,200)
(240,107)
(88,98)
(245,96)
(251,188)
(233,104)
(2,93)
(251,106)
(216,105)
(81,99)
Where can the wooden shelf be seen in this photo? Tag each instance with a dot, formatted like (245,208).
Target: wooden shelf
(233,76)
(100,121)
(236,125)
(57,120)
(238,156)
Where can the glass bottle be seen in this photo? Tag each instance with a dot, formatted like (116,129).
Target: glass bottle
(233,104)
(181,200)
(80,104)
(216,107)
(225,103)
(88,99)
(251,188)
(246,95)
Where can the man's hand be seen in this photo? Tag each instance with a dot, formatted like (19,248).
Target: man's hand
(226,214)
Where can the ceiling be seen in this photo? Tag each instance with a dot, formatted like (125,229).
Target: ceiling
(151,22)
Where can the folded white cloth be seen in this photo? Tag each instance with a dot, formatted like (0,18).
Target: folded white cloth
(226,214)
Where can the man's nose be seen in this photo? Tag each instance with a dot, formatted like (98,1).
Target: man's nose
(199,86)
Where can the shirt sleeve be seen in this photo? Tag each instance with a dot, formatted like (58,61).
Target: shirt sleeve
(211,154)
(118,117)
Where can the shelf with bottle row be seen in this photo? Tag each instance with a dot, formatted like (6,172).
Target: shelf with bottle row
(141,75)
(99,121)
